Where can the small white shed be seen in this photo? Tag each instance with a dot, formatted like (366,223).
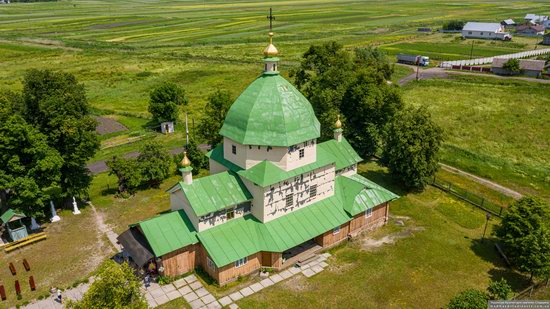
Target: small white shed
(167,127)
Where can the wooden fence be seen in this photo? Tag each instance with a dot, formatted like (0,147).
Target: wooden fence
(469,197)
(528,292)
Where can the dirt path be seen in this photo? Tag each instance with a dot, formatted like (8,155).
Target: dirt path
(488,183)
(104,228)
(433,73)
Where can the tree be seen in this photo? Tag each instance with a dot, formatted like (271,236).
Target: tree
(198,159)
(115,286)
(499,290)
(411,147)
(30,167)
(525,233)
(369,103)
(323,77)
(453,25)
(164,101)
(55,104)
(214,115)
(154,163)
(374,58)
(512,66)
(128,173)
(469,299)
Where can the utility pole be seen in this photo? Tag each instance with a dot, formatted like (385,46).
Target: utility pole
(186,132)
(472,50)
(417,72)
(487,216)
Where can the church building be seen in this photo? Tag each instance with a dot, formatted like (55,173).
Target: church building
(273,191)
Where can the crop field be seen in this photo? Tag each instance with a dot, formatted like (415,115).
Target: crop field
(121,49)
(494,128)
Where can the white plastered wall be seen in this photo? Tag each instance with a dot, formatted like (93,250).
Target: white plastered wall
(287,158)
(178,201)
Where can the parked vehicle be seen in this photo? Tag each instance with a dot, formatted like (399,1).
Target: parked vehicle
(413,59)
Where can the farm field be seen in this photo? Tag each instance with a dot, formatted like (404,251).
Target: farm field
(494,128)
(120,50)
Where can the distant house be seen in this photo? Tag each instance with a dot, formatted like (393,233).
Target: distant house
(528,67)
(424,30)
(508,23)
(536,19)
(546,39)
(492,31)
(529,29)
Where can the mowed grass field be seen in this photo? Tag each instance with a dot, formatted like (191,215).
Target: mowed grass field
(494,128)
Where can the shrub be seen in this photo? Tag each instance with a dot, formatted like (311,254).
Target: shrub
(499,290)
(469,299)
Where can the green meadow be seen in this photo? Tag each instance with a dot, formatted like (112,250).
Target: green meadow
(120,50)
(494,128)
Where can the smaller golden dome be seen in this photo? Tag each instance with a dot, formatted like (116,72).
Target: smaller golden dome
(271,50)
(185,161)
(338,123)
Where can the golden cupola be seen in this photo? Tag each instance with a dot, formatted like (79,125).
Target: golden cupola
(271,50)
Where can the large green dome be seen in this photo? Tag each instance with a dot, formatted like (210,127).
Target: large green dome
(271,112)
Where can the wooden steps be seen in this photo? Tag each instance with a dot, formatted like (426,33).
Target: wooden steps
(25,241)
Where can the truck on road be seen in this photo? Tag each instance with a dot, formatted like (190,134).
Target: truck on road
(413,59)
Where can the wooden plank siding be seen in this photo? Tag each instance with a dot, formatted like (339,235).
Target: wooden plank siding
(193,256)
(180,261)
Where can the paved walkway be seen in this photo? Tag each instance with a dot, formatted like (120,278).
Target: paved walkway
(50,303)
(197,296)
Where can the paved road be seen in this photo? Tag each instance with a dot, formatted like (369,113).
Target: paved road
(432,73)
(101,166)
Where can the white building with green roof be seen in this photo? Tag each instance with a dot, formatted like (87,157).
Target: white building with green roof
(273,191)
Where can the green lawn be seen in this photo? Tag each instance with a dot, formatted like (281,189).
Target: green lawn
(494,128)
(424,270)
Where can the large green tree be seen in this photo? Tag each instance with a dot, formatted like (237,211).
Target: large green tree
(215,111)
(115,287)
(164,101)
(56,105)
(323,77)
(30,168)
(128,173)
(154,163)
(198,159)
(411,147)
(369,104)
(525,233)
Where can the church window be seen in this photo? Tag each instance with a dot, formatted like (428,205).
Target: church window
(336,230)
(289,200)
(230,214)
(368,213)
(259,147)
(313,190)
(234,149)
(269,148)
(274,67)
(302,153)
(249,146)
(210,263)
(241,262)
(265,67)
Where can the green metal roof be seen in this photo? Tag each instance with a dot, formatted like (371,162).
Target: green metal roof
(168,232)
(373,185)
(266,173)
(246,235)
(10,213)
(342,151)
(215,192)
(271,112)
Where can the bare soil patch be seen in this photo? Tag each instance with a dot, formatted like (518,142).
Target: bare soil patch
(108,125)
